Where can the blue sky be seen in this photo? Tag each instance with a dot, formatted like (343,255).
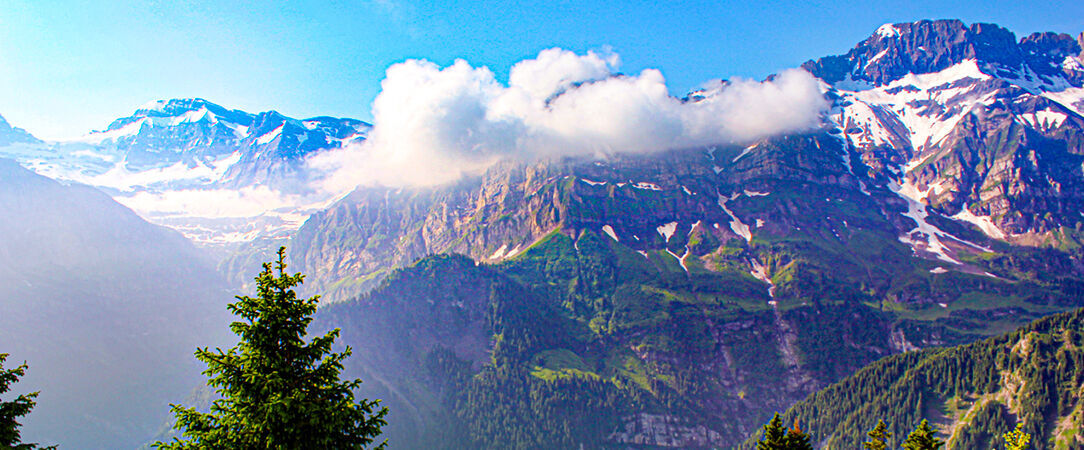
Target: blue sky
(67,67)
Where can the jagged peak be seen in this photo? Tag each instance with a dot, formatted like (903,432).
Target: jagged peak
(894,50)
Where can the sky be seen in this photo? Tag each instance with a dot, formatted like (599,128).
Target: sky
(69,67)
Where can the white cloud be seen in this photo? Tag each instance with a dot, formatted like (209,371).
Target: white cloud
(555,70)
(210,203)
(433,124)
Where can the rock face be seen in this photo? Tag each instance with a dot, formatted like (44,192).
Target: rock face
(970,122)
(926,46)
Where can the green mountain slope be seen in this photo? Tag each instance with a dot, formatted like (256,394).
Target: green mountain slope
(974,393)
(580,339)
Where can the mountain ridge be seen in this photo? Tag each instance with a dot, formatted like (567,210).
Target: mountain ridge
(689,274)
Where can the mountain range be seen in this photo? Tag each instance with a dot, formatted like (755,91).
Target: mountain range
(673,299)
(170,154)
(699,290)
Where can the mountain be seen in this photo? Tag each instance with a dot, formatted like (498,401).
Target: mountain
(973,393)
(174,160)
(265,148)
(931,130)
(11,135)
(106,309)
(678,299)
(970,122)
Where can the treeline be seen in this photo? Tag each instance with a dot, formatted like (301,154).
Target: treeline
(924,437)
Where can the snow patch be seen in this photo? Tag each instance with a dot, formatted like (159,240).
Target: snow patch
(916,210)
(648,186)
(513,252)
(1072,98)
(681,259)
(983,222)
(1044,120)
(99,137)
(610,231)
(270,136)
(887,31)
(743,153)
(667,230)
(500,252)
(760,272)
(736,224)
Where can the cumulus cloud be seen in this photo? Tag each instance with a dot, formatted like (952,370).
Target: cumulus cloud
(432,124)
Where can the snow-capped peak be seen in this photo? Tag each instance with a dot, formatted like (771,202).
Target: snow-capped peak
(888,31)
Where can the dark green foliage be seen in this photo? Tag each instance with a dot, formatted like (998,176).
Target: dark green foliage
(10,412)
(923,438)
(878,437)
(278,392)
(797,439)
(776,437)
(990,422)
(1039,367)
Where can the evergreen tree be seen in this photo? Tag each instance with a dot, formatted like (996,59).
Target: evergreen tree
(797,439)
(923,438)
(10,412)
(774,435)
(278,392)
(1017,439)
(878,437)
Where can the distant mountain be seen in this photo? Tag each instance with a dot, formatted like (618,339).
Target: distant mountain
(972,393)
(11,135)
(170,151)
(245,149)
(698,290)
(106,309)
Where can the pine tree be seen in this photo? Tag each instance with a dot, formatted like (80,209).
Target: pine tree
(797,439)
(878,437)
(10,412)
(1017,439)
(774,435)
(923,438)
(278,392)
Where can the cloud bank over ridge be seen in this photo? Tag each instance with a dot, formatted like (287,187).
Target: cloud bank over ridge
(433,125)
